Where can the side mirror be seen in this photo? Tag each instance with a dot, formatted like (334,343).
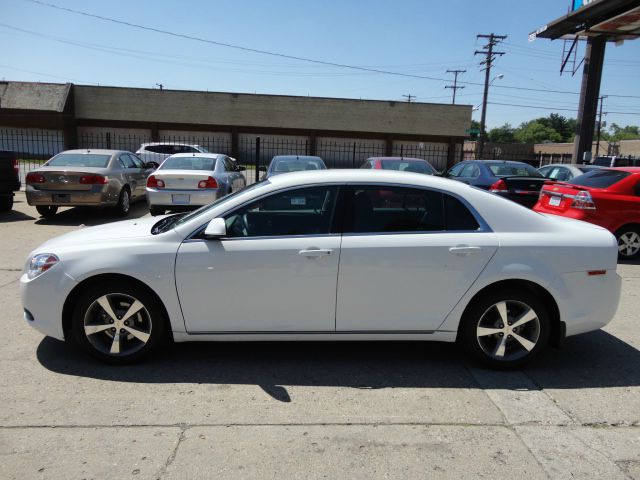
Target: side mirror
(262,168)
(241,168)
(216,229)
(153,165)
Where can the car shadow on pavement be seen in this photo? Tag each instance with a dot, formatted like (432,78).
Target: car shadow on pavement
(593,360)
(14,216)
(88,216)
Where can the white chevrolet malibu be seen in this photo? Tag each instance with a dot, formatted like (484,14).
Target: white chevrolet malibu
(330,255)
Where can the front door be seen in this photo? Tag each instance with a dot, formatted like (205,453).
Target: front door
(408,255)
(276,271)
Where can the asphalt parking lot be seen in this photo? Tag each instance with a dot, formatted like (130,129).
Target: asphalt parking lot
(318,410)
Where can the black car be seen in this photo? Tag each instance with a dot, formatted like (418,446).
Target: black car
(9,179)
(516,181)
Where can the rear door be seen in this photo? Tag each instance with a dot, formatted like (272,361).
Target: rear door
(408,255)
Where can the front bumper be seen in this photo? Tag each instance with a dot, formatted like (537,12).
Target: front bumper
(176,198)
(43,298)
(99,195)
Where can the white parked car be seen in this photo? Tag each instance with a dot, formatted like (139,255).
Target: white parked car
(159,151)
(189,180)
(330,255)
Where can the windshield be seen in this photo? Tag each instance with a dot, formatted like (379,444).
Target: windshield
(188,163)
(282,165)
(79,160)
(407,166)
(514,170)
(173,221)
(599,178)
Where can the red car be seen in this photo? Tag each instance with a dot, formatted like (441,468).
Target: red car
(609,197)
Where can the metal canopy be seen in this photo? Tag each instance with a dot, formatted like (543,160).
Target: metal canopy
(614,19)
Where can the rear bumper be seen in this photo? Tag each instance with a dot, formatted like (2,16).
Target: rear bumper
(197,198)
(99,195)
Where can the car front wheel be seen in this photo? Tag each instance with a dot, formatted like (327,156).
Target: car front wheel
(118,323)
(505,329)
(628,242)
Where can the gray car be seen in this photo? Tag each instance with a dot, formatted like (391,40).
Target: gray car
(189,180)
(292,163)
(97,178)
(563,172)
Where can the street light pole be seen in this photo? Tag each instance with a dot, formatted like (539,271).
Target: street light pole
(599,125)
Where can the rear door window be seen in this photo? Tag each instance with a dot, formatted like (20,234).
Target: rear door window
(470,171)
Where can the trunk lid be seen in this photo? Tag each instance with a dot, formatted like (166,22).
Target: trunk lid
(523,185)
(559,196)
(182,179)
(66,178)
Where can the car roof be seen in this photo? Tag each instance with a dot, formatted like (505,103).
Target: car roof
(100,151)
(398,159)
(197,155)
(501,162)
(170,143)
(626,169)
(294,157)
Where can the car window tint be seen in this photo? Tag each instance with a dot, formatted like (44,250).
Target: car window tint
(507,170)
(79,160)
(302,211)
(188,163)
(367,165)
(396,209)
(127,161)
(470,171)
(458,216)
(636,189)
(407,166)
(599,178)
(136,161)
(544,171)
(455,171)
(228,164)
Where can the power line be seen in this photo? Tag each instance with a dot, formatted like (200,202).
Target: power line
(554,108)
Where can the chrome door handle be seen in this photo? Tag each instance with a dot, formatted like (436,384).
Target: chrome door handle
(315,252)
(464,250)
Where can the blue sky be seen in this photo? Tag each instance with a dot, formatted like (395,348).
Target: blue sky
(417,37)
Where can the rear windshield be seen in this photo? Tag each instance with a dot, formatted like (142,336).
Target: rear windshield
(602,161)
(599,178)
(522,170)
(79,160)
(407,166)
(188,163)
(297,164)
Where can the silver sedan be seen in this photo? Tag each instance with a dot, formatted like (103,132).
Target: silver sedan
(110,178)
(189,180)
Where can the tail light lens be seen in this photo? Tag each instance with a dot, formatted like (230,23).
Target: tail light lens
(153,182)
(499,186)
(208,183)
(583,201)
(93,180)
(16,168)
(35,178)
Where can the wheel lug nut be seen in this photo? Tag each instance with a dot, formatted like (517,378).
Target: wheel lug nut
(122,330)
(501,334)
(501,325)
(509,323)
(508,336)
(111,320)
(126,322)
(113,330)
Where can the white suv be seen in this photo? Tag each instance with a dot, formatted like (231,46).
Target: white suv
(159,151)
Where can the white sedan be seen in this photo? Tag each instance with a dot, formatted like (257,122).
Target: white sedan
(330,255)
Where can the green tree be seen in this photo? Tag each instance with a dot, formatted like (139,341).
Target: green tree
(564,126)
(503,134)
(630,132)
(535,131)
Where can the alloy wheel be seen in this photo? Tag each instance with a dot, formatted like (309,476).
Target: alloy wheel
(508,330)
(117,324)
(629,244)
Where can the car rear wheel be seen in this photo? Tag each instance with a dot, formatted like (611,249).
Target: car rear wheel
(124,203)
(628,242)
(117,324)
(154,211)
(47,210)
(6,203)
(505,329)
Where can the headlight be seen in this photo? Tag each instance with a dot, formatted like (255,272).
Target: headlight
(40,264)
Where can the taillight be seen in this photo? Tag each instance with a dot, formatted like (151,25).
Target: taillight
(208,183)
(499,186)
(93,180)
(16,167)
(153,182)
(35,178)
(541,195)
(583,201)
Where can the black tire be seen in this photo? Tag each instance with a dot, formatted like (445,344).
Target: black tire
(6,203)
(628,242)
(504,349)
(148,323)
(124,203)
(47,210)
(154,211)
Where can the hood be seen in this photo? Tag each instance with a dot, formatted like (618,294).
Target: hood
(126,229)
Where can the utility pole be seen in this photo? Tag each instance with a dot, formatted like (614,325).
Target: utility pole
(409,97)
(599,124)
(490,56)
(455,86)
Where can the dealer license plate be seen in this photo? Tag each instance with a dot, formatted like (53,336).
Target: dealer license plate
(555,201)
(180,198)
